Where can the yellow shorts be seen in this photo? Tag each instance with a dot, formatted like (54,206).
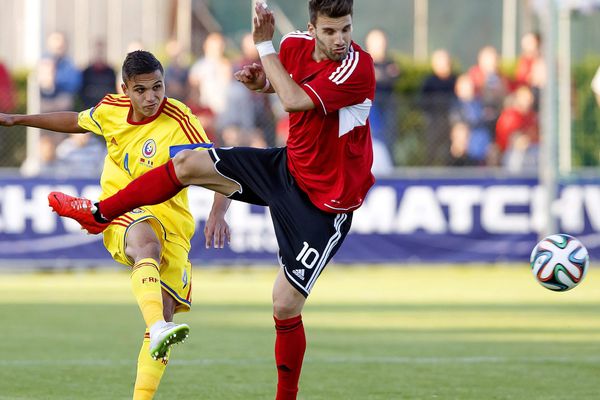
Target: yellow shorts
(175,268)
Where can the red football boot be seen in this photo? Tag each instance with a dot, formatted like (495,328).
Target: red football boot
(77,208)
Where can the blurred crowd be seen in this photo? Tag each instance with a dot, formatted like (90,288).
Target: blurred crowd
(230,114)
(476,117)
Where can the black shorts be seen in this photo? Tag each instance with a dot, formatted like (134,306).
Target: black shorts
(307,236)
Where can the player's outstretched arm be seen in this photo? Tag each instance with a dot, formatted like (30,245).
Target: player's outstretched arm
(65,122)
(216,230)
(293,97)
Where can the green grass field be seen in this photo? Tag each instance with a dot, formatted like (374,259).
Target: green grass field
(477,333)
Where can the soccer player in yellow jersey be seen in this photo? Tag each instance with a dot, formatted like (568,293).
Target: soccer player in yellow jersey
(143,129)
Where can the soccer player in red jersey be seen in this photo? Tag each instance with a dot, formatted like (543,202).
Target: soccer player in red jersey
(327,84)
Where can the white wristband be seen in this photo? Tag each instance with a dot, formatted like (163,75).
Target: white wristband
(265,88)
(265,48)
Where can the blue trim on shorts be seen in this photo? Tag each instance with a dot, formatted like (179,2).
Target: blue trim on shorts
(173,150)
(174,294)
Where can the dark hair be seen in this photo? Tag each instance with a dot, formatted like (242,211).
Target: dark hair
(329,8)
(537,36)
(140,62)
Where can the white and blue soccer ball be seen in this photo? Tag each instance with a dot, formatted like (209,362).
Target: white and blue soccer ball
(559,262)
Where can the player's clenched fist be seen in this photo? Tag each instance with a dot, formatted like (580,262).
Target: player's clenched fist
(253,76)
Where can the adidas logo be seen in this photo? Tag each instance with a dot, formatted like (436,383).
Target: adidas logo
(299,273)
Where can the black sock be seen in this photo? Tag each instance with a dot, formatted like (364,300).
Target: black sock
(98,215)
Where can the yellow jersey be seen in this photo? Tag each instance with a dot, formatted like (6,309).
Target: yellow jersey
(136,147)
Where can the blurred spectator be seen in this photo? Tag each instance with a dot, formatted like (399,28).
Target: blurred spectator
(517,130)
(98,78)
(7,90)
(236,136)
(7,104)
(468,109)
(58,77)
(522,154)
(80,156)
(256,138)
(249,53)
(232,135)
(59,81)
(460,137)
(385,107)
(384,110)
(211,74)
(266,108)
(176,72)
(207,119)
(282,129)
(531,68)
(490,85)
(258,112)
(596,86)
(240,109)
(47,164)
(382,161)
(436,98)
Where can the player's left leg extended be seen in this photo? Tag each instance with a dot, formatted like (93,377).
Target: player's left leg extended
(161,290)
(144,248)
(149,370)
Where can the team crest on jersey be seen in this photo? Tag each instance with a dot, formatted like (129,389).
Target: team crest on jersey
(148,151)
(149,148)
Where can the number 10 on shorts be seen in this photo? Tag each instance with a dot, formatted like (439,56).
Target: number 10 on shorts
(308,256)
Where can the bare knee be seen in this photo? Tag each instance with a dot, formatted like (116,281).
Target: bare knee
(283,311)
(192,166)
(197,168)
(149,249)
(287,307)
(287,301)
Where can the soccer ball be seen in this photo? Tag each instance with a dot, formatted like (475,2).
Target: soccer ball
(559,262)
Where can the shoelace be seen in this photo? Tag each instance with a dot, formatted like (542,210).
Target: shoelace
(80,204)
